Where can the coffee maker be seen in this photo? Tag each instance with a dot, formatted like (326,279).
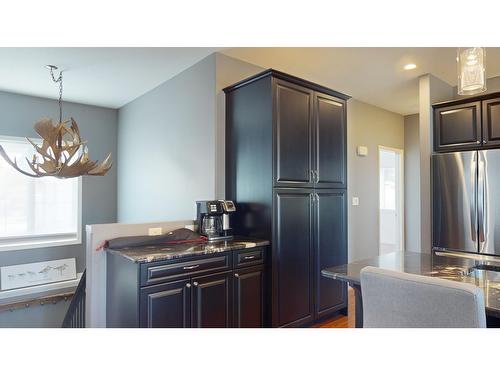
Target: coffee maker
(213,219)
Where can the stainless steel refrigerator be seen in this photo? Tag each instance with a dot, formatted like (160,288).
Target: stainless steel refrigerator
(466,201)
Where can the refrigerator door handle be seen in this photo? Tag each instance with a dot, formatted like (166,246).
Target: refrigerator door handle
(473,198)
(481,182)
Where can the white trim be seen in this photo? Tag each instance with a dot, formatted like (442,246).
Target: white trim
(32,290)
(401,193)
(37,242)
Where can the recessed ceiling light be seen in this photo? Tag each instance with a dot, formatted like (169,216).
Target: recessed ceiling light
(409,66)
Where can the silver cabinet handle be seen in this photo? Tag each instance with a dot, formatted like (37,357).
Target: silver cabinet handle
(236,275)
(195,283)
(190,267)
(316,176)
(188,285)
(311,173)
(249,257)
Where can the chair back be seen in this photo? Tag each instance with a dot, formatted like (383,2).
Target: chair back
(394,299)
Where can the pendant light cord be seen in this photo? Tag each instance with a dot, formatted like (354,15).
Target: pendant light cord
(60,81)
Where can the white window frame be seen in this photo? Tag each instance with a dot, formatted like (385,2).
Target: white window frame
(12,243)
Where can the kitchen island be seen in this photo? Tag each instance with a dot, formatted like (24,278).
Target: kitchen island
(480,271)
(205,284)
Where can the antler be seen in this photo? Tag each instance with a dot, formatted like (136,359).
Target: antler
(59,147)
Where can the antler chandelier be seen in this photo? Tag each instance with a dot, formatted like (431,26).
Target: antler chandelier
(62,154)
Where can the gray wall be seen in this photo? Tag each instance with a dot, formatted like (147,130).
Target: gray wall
(369,126)
(18,114)
(228,71)
(166,148)
(412,182)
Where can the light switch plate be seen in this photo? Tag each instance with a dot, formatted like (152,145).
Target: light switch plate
(154,231)
(362,150)
(355,201)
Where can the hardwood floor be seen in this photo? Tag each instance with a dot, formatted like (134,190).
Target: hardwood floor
(342,321)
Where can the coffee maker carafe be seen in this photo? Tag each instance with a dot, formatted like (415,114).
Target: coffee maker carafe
(213,219)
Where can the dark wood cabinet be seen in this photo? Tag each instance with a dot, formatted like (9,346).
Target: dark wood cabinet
(330,235)
(457,127)
(293,151)
(330,141)
(467,124)
(166,305)
(491,122)
(212,301)
(249,292)
(197,294)
(285,144)
(293,260)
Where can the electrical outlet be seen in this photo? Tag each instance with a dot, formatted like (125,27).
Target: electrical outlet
(355,201)
(154,231)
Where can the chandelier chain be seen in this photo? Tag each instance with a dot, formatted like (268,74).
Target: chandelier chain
(60,81)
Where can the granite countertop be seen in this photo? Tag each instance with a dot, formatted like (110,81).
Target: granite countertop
(146,254)
(455,267)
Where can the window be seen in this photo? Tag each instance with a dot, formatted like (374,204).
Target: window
(36,212)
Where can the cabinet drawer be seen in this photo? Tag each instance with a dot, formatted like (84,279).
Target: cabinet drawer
(166,271)
(248,257)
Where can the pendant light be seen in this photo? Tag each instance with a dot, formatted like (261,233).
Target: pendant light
(471,70)
(62,154)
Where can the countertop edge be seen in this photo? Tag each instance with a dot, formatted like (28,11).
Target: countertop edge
(237,244)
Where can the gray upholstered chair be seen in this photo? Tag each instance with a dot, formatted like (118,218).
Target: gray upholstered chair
(400,300)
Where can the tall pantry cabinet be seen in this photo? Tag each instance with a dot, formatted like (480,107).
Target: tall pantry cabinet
(286,171)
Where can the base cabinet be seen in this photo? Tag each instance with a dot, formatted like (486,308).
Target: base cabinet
(248,287)
(198,299)
(212,301)
(166,305)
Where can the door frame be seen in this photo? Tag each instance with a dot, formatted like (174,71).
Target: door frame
(401,193)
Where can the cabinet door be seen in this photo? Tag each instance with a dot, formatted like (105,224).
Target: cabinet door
(292,133)
(248,301)
(292,258)
(212,301)
(457,127)
(330,243)
(166,305)
(330,141)
(491,122)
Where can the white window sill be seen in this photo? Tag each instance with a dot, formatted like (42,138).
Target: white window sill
(15,295)
(40,242)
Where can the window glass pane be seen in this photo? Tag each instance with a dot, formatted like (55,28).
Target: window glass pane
(34,206)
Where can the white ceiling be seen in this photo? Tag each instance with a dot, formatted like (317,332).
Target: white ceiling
(108,77)
(112,77)
(372,75)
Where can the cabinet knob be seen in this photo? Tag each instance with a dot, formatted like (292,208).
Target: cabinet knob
(195,283)
(188,285)
(485,141)
(478,142)
(236,275)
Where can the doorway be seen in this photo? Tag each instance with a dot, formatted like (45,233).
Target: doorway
(391,198)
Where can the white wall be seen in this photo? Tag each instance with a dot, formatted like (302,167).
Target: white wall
(369,126)
(166,148)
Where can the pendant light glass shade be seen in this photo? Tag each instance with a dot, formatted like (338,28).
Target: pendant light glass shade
(471,70)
